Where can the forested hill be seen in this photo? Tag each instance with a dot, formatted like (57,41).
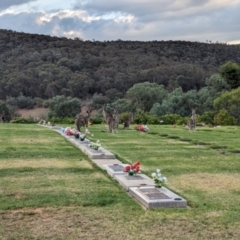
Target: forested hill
(44,66)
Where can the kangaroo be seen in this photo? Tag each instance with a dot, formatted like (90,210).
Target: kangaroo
(111,120)
(82,121)
(128,121)
(192,121)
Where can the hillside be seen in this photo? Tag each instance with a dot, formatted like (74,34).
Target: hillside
(44,66)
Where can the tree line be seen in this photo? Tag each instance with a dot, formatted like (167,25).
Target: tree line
(159,77)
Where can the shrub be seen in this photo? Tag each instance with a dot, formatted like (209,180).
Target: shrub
(207,117)
(224,118)
(25,102)
(124,117)
(7,110)
(141,117)
(172,119)
(153,119)
(96,120)
(66,120)
(61,106)
(23,120)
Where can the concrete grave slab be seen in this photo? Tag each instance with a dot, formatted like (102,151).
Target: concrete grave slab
(139,180)
(115,169)
(101,153)
(152,197)
(102,162)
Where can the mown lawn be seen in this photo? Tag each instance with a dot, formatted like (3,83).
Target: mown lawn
(51,190)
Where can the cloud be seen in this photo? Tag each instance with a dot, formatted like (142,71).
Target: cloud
(141,8)
(8,3)
(143,20)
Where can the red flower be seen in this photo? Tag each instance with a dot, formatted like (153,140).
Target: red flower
(135,167)
(127,168)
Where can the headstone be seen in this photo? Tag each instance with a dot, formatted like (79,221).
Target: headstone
(97,154)
(102,163)
(127,181)
(115,169)
(152,197)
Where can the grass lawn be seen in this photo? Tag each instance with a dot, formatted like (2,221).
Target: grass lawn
(51,190)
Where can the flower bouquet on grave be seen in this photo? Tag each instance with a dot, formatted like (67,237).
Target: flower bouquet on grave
(158,178)
(132,169)
(143,128)
(82,136)
(95,145)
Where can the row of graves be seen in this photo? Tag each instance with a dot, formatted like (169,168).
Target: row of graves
(138,185)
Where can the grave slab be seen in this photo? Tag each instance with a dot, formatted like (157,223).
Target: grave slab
(55,127)
(101,153)
(139,180)
(102,162)
(115,169)
(152,197)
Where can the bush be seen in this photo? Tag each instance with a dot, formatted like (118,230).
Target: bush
(25,102)
(141,117)
(124,117)
(173,119)
(96,120)
(224,118)
(65,120)
(7,111)
(23,120)
(207,117)
(153,119)
(182,121)
(39,102)
(61,107)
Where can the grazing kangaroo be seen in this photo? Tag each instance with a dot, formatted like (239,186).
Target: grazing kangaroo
(192,121)
(2,116)
(128,121)
(82,121)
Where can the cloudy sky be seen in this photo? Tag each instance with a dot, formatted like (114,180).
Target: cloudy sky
(143,20)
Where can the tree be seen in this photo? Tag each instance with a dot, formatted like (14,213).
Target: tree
(7,112)
(61,106)
(230,71)
(146,94)
(122,105)
(216,84)
(230,101)
(177,102)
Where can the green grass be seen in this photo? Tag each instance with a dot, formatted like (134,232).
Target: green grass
(51,190)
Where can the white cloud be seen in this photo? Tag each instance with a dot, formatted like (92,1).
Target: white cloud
(194,20)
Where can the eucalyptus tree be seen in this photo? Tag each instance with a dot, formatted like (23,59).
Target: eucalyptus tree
(62,106)
(230,71)
(216,84)
(123,105)
(146,94)
(230,101)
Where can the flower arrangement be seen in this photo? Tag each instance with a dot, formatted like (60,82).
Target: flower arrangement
(143,128)
(95,145)
(82,136)
(132,169)
(158,178)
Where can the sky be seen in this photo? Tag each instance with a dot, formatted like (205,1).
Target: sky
(134,20)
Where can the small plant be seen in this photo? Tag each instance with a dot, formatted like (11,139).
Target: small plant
(95,145)
(158,178)
(133,169)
